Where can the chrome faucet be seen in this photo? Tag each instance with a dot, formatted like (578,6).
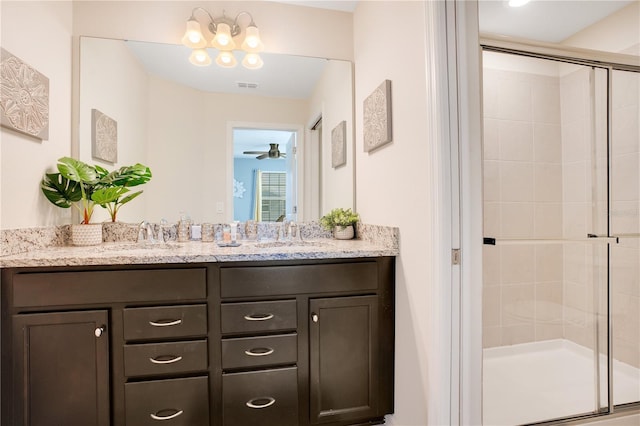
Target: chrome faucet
(145,232)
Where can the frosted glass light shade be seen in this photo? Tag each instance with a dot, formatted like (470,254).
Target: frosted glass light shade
(223,39)
(518,3)
(226,59)
(193,37)
(200,57)
(252,61)
(252,42)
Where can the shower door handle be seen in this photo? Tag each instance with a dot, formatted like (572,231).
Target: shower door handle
(603,238)
(591,238)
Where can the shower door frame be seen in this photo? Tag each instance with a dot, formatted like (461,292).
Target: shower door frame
(596,59)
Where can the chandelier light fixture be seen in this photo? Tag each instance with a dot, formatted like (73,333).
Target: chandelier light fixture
(223,30)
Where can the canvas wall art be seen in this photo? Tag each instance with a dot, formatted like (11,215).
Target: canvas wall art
(24,102)
(104,137)
(339,145)
(377,117)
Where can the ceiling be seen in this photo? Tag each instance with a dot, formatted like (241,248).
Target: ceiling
(258,140)
(342,5)
(544,20)
(282,76)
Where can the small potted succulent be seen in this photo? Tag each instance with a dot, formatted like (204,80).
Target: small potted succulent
(79,185)
(341,222)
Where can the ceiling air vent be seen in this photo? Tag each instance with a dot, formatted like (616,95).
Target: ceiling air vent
(246,85)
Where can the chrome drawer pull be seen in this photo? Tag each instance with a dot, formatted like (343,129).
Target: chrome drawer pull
(169,417)
(165,323)
(259,317)
(270,402)
(267,351)
(165,361)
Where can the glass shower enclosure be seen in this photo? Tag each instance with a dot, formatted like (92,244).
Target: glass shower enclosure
(561,257)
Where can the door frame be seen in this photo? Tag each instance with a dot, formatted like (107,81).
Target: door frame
(300,153)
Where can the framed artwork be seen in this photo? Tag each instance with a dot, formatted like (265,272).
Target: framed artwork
(339,145)
(104,137)
(377,117)
(24,102)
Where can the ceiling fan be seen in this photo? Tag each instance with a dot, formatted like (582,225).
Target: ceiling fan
(273,152)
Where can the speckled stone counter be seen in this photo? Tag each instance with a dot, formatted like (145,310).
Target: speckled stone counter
(373,241)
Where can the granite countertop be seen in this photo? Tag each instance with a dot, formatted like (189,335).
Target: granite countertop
(34,247)
(194,252)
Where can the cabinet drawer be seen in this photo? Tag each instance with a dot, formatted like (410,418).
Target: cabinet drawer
(87,287)
(162,358)
(259,351)
(165,322)
(297,279)
(258,316)
(168,402)
(267,397)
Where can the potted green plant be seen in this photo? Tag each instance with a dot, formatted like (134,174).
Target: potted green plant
(114,186)
(341,222)
(82,186)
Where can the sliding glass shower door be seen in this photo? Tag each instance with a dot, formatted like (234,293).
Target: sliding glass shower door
(625,224)
(561,228)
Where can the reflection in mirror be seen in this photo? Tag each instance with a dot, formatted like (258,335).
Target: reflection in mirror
(180,120)
(264,172)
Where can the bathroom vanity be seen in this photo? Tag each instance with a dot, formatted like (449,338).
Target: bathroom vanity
(297,341)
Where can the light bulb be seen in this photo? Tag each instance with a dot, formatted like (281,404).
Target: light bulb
(193,37)
(223,39)
(518,3)
(226,59)
(252,61)
(252,42)
(200,57)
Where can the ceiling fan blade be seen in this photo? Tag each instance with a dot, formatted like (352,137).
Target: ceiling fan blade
(263,156)
(283,155)
(254,152)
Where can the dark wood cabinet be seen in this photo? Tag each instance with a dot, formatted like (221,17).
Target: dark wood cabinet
(61,369)
(269,343)
(343,352)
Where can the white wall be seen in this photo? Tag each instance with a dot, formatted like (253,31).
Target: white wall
(333,98)
(394,188)
(115,83)
(39,33)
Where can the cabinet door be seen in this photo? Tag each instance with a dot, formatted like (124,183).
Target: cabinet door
(61,369)
(343,352)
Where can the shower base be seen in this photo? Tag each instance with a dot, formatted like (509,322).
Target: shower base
(539,381)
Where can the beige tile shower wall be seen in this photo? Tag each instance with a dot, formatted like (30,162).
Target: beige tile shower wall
(522,299)
(625,217)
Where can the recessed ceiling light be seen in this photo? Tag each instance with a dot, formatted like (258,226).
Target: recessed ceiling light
(518,3)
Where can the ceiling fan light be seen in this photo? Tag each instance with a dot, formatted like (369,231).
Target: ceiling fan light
(223,39)
(193,37)
(200,57)
(252,42)
(226,59)
(252,61)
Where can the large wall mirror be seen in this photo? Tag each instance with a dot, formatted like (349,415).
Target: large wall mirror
(217,140)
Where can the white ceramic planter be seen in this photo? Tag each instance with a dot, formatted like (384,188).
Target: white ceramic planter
(86,235)
(343,233)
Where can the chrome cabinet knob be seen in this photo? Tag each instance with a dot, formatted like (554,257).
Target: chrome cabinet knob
(99,331)
(314,317)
